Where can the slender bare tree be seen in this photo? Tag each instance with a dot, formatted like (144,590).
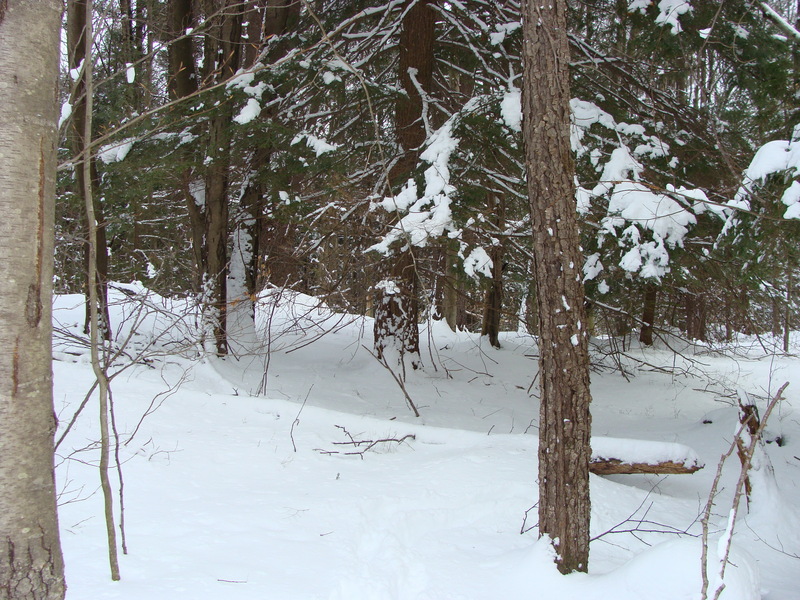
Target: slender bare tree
(564,419)
(31,565)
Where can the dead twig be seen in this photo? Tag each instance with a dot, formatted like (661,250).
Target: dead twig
(361,447)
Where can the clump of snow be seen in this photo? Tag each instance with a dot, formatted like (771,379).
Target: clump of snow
(66,113)
(774,157)
(511,109)
(318,145)
(630,451)
(640,5)
(669,11)
(592,267)
(635,203)
(116,151)
(130,72)
(388,287)
(249,111)
(477,263)
(428,216)
(498,36)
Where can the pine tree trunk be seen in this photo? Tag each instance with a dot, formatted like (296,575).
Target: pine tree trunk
(493,300)
(648,314)
(182,80)
(223,45)
(396,331)
(450,287)
(397,306)
(564,419)
(265,20)
(31,565)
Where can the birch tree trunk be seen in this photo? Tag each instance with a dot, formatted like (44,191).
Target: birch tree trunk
(31,566)
(564,419)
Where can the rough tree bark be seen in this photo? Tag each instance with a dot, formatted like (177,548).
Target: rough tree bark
(493,299)
(266,20)
(648,314)
(182,72)
(397,306)
(31,565)
(564,419)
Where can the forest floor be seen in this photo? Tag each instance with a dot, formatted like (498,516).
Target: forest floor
(241,482)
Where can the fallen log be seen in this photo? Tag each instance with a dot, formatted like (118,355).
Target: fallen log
(613,466)
(620,456)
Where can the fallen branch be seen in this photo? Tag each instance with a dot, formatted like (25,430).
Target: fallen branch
(361,447)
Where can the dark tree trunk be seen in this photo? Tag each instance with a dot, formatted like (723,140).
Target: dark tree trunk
(397,306)
(223,45)
(396,331)
(76,45)
(182,70)
(648,314)
(417,38)
(266,20)
(451,288)
(493,299)
(695,316)
(564,421)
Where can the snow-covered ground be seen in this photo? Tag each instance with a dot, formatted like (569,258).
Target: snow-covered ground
(231,494)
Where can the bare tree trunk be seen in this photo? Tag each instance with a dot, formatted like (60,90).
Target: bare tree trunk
(31,565)
(564,419)
(222,54)
(648,314)
(265,20)
(787,315)
(92,297)
(493,300)
(396,330)
(397,305)
(695,316)
(76,45)
(449,284)
(182,71)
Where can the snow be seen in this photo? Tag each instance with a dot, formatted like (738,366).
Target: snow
(635,203)
(66,113)
(511,109)
(130,72)
(669,11)
(776,156)
(318,145)
(249,111)
(477,263)
(116,151)
(234,494)
(498,36)
(428,216)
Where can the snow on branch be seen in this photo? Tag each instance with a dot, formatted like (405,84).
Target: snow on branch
(668,11)
(645,221)
(782,23)
(429,215)
(777,156)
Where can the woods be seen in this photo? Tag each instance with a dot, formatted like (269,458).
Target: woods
(352,151)
(602,177)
